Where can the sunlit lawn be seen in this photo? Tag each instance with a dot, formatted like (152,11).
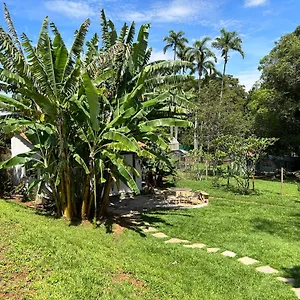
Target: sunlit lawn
(44,258)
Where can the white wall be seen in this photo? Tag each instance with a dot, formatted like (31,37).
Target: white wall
(124,188)
(19,145)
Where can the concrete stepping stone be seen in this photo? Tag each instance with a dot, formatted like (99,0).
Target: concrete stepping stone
(212,250)
(160,235)
(297,292)
(229,253)
(267,270)
(195,246)
(176,241)
(286,280)
(149,229)
(247,260)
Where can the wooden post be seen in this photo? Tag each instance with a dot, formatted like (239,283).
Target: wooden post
(228,176)
(206,169)
(281,181)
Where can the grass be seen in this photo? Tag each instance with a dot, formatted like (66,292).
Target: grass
(264,225)
(44,258)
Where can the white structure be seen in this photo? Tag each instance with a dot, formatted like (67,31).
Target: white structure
(174,144)
(135,162)
(20,144)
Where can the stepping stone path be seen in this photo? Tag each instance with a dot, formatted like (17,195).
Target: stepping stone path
(244,260)
(212,250)
(195,246)
(297,292)
(176,241)
(149,229)
(286,280)
(247,260)
(160,235)
(267,270)
(229,253)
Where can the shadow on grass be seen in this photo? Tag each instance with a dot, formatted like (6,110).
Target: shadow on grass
(279,228)
(131,223)
(293,272)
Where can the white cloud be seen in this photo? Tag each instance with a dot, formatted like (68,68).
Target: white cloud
(231,23)
(72,9)
(159,55)
(248,78)
(172,11)
(254,3)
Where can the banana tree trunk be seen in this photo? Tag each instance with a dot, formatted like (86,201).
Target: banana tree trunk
(85,198)
(69,211)
(105,198)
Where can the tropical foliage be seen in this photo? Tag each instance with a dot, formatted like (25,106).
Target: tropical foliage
(82,112)
(274,101)
(227,41)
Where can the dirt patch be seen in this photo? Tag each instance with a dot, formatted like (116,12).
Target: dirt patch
(118,230)
(19,200)
(128,277)
(14,282)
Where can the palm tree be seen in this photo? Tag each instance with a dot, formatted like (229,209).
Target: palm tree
(229,40)
(203,58)
(183,54)
(175,40)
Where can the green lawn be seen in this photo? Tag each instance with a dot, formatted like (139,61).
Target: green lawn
(44,258)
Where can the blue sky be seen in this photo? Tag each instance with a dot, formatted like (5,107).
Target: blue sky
(259,22)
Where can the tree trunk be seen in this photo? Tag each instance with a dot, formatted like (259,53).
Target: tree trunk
(85,197)
(175,127)
(196,141)
(221,94)
(105,198)
(196,134)
(69,212)
(223,76)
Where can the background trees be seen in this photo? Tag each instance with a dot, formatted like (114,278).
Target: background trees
(274,103)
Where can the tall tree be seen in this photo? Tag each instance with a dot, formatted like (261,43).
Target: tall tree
(275,104)
(175,40)
(203,59)
(227,41)
(183,53)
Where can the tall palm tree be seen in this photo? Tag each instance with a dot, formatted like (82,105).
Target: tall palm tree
(229,40)
(183,53)
(203,58)
(175,40)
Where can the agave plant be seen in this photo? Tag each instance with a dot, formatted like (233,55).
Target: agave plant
(82,112)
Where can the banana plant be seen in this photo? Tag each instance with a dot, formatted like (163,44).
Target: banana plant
(83,111)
